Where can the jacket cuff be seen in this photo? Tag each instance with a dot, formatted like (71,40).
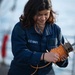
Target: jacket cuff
(35,58)
(62,63)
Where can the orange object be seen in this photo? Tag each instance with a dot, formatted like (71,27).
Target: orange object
(60,50)
(63,49)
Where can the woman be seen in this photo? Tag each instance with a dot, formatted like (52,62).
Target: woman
(33,38)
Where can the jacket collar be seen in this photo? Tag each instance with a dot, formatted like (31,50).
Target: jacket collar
(47,31)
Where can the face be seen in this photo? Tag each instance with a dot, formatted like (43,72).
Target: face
(41,17)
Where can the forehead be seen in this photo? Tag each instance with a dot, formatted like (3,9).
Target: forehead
(43,11)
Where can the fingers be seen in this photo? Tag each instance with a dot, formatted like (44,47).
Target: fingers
(63,57)
(55,57)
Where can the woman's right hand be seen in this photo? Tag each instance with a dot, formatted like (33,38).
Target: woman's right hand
(51,57)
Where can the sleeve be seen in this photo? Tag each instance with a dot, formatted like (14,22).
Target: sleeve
(61,40)
(19,48)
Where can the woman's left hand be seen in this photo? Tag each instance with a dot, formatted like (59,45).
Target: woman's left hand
(64,57)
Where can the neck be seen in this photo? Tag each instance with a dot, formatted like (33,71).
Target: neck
(39,28)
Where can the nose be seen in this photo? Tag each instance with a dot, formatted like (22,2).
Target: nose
(43,17)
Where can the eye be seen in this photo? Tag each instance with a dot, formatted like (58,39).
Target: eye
(39,14)
(46,14)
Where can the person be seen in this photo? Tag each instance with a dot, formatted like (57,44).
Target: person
(33,37)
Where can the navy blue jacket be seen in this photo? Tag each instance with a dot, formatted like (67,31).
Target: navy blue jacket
(28,46)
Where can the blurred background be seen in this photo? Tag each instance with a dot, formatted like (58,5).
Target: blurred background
(10,11)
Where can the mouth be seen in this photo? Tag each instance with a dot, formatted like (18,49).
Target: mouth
(42,22)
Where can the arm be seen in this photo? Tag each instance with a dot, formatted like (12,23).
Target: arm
(19,47)
(61,40)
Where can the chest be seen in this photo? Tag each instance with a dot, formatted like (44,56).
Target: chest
(41,43)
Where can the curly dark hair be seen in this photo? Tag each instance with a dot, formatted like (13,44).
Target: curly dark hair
(34,6)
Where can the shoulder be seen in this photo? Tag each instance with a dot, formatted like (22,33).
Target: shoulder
(54,27)
(18,28)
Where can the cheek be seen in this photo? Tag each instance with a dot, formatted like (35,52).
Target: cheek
(47,17)
(36,18)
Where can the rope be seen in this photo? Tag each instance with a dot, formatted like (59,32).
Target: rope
(38,67)
(60,50)
(35,70)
